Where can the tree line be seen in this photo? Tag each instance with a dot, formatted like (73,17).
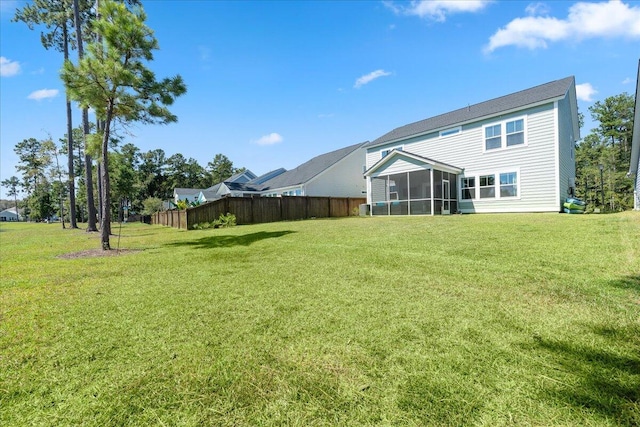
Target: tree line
(604,155)
(140,180)
(110,77)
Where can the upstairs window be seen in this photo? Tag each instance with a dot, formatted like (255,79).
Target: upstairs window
(493,137)
(509,133)
(384,153)
(515,132)
(451,131)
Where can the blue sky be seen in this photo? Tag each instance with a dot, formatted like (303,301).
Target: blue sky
(272,84)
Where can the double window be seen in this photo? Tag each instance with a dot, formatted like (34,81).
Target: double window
(490,186)
(509,133)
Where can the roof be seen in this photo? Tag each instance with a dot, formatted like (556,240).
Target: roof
(210,194)
(12,210)
(267,176)
(401,153)
(243,176)
(545,92)
(186,190)
(308,170)
(635,138)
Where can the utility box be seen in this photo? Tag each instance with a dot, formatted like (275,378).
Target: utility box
(365,210)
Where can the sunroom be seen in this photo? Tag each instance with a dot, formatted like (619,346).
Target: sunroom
(403,183)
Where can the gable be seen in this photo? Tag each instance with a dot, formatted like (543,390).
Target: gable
(403,161)
(545,93)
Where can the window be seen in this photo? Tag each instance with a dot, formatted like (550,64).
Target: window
(490,186)
(384,153)
(509,184)
(487,186)
(468,188)
(451,131)
(493,137)
(515,132)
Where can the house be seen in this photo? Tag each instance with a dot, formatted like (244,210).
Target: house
(188,194)
(634,167)
(214,192)
(514,153)
(11,214)
(336,174)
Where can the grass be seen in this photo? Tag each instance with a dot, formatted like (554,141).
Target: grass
(462,320)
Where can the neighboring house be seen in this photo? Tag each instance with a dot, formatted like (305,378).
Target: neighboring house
(634,168)
(334,174)
(214,192)
(188,194)
(11,214)
(510,154)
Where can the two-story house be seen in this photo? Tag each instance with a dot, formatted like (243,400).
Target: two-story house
(514,153)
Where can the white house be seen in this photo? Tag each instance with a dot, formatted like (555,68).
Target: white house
(335,174)
(634,168)
(11,214)
(514,153)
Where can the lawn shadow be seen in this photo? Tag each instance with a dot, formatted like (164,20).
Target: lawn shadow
(227,241)
(627,282)
(606,383)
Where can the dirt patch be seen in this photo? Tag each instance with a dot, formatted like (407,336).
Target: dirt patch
(95,253)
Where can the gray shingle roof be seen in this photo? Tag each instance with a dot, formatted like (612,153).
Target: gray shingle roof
(310,169)
(534,95)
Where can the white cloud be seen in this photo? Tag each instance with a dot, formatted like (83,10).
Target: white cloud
(368,78)
(612,19)
(437,10)
(271,139)
(537,9)
(627,81)
(585,92)
(8,68)
(41,94)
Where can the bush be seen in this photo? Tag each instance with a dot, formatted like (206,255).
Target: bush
(224,221)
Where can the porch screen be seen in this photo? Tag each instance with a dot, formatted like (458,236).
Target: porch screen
(407,193)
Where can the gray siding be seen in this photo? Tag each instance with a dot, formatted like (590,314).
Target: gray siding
(566,154)
(536,161)
(343,179)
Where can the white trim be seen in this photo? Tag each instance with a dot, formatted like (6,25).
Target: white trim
(496,174)
(433,193)
(475,120)
(556,152)
(429,163)
(389,150)
(503,135)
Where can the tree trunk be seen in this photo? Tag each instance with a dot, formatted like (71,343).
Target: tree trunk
(105,217)
(88,162)
(71,178)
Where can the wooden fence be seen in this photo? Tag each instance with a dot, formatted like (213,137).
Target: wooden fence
(255,210)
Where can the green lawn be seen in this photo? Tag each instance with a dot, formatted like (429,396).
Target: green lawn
(530,319)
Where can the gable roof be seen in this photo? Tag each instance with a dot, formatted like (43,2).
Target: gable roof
(308,170)
(556,89)
(635,138)
(243,176)
(181,192)
(266,176)
(401,153)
